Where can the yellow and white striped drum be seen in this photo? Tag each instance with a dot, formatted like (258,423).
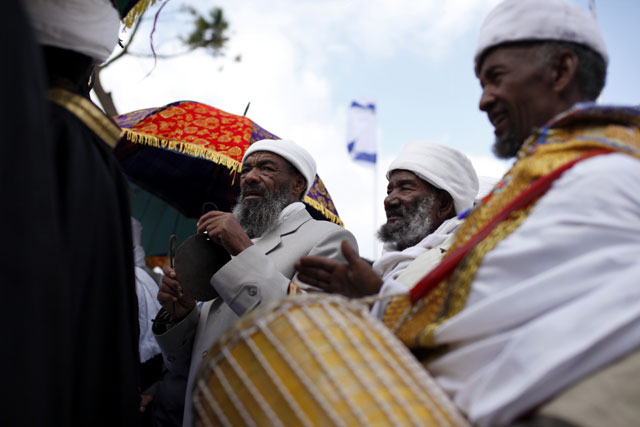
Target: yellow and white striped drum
(316,360)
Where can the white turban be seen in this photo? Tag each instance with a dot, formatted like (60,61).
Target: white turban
(289,150)
(442,167)
(530,20)
(90,27)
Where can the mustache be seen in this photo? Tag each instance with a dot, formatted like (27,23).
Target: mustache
(396,210)
(253,188)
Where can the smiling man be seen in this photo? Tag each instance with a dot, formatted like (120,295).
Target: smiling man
(535,310)
(429,185)
(268,231)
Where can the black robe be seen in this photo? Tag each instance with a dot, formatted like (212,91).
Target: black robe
(69,313)
(96,237)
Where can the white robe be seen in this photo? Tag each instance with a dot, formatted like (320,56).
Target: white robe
(556,300)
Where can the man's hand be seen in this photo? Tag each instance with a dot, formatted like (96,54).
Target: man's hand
(171,297)
(355,279)
(145,400)
(224,229)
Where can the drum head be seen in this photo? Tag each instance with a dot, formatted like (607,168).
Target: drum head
(197,260)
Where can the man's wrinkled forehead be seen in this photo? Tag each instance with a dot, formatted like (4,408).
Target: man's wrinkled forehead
(262,157)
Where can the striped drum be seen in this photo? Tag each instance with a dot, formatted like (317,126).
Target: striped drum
(316,360)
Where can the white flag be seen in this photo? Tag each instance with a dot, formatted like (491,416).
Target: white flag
(362,131)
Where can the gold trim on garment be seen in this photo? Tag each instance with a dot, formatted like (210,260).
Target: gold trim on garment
(89,114)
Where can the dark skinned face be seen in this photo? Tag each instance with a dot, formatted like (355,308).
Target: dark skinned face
(403,190)
(516,95)
(264,173)
(414,209)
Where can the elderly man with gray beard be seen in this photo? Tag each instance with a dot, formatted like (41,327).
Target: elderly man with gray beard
(268,231)
(430,185)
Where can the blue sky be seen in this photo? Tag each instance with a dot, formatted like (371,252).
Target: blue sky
(303,61)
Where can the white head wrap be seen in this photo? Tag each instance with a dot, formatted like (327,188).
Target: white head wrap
(90,27)
(442,167)
(530,20)
(289,150)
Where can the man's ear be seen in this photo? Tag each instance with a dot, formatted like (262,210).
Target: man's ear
(446,208)
(299,185)
(564,70)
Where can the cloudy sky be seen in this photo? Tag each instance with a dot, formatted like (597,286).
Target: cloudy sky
(303,61)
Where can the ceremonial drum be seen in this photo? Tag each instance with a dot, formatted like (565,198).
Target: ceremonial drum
(316,360)
(197,260)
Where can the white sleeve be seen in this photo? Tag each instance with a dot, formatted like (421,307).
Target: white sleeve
(251,277)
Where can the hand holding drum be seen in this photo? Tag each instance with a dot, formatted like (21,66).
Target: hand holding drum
(197,259)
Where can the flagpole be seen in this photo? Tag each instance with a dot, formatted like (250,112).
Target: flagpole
(362,144)
(375,207)
(378,151)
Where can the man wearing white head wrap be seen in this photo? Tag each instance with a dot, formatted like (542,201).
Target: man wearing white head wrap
(101,358)
(267,233)
(540,289)
(429,184)
(543,32)
(443,168)
(292,152)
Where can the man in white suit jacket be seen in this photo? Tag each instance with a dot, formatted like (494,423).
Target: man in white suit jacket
(267,233)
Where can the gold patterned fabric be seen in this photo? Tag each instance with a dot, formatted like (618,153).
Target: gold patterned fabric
(583,131)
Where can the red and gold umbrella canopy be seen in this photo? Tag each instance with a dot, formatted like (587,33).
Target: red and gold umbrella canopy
(188,153)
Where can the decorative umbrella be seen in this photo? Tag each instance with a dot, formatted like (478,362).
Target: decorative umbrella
(187,153)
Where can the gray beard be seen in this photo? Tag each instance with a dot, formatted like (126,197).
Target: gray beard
(258,216)
(414,225)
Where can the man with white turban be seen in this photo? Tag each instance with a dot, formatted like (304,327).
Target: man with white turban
(430,185)
(537,298)
(268,231)
(97,347)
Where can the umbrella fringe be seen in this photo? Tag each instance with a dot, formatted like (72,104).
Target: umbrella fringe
(324,211)
(188,148)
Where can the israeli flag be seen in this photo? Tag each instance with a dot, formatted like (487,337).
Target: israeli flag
(362,131)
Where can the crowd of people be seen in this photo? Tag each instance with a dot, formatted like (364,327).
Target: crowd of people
(521,303)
